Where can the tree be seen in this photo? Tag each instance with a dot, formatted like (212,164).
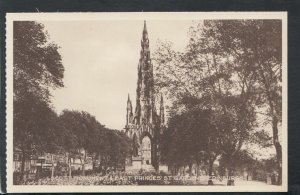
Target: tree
(206,76)
(189,139)
(256,44)
(37,68)
(81,131)
(37,63)
(120,148)
(36,129)
(243,161)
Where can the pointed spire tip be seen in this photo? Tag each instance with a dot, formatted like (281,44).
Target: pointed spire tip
(145,26)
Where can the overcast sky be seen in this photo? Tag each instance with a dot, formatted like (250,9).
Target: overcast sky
(101,59)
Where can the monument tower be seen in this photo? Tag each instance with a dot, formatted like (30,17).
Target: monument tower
(143,125)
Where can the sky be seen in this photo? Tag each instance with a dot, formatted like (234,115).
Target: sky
(101,59)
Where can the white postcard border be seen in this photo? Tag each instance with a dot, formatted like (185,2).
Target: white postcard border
(10,17)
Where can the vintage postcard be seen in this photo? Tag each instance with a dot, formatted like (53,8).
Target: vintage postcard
(146,102)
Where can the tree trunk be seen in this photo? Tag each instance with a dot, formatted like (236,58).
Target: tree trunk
(21,178)
(190,169)
(197,170)
(52,169)
(70,168)
(210,170)
(276,143)
(41,174)
(278,149)
(230,179)
(82,166)
(93,164)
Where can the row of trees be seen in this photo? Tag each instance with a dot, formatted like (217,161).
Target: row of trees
(38,129)
(224,87)
(80,130)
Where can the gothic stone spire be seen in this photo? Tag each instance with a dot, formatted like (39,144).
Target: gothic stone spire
(145,84)
(129,111)
(162,110)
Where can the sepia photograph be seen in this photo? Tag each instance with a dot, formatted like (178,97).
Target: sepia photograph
(131,102)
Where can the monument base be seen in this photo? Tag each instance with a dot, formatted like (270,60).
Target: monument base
(163,168)
(137,165)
